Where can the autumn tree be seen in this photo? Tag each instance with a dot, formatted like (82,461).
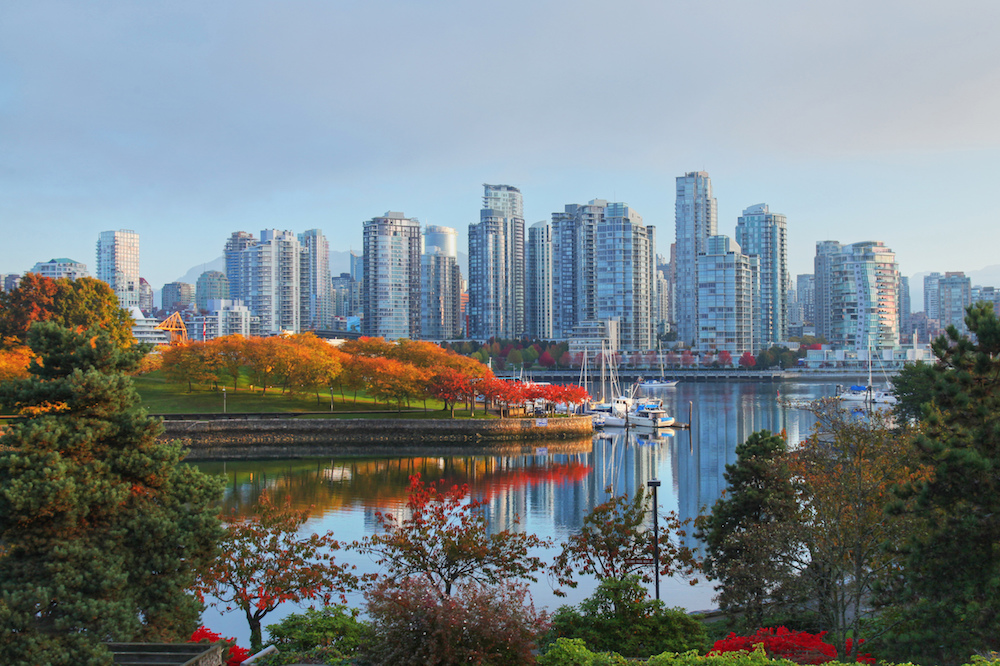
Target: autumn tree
(747,360)
(445,539)
(190,363)
(751,535)
(615,539)
(229,350)
(449,386)
(266,561)
(847,470)
(951,594)
(103,529)
(84,302)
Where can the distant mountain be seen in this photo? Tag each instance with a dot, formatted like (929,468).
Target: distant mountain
(340,262)
(191,277)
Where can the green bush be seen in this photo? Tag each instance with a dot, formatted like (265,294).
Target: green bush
(318,655)
(619,617)
(332,627)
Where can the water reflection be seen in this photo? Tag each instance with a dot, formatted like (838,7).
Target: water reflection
(547,493)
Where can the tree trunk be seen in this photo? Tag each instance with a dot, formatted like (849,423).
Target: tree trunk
(256,643)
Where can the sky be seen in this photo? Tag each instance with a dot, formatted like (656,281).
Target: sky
(186,121)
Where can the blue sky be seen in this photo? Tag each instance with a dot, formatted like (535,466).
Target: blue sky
(186,121)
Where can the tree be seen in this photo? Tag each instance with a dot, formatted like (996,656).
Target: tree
(84,302)
(725,358)
(747,360)
(449,386)
(951,593)
(847,470)
(191,363)
(445,539)
(613,541)
(103,529)
(750,535)
(913,388)
(265,562)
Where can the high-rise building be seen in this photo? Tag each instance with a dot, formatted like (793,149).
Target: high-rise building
(60,268)
(954,294)
(574,265)
(905,311)
(441,285)
(118,265)
(805,293)
(496,265)
(10,281)
(764,234)
(316,289)
(696,218)
(931,301)
(238,287)
(538,285)
(728,298)
(391,288)
(176,296)
(211,286)
(145,296)
(857,295)
(268,273)
(626,250)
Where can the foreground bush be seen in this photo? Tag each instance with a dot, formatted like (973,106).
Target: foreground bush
(620,617)
(798,646)
(335,627)
(413,623)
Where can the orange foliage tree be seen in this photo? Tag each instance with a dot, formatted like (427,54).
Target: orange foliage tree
(265,561)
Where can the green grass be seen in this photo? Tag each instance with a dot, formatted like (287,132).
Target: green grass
(162,397)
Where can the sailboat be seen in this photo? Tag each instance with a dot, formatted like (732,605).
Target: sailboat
(866,394)
(662,382)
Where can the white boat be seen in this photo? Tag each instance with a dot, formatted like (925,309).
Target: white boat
(645,413)
(662,382)
(866,394)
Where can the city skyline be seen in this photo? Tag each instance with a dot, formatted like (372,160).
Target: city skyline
(184,122)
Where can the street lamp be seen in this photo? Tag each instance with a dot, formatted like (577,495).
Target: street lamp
(223,399)
(331,398)
(654,484)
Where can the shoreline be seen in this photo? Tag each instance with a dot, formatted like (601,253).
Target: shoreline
(233,439)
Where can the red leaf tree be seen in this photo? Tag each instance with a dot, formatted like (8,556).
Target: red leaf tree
(748,360)
(444,539)
(264,561)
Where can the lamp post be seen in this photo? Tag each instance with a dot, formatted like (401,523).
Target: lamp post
(654,484)
(331,398)
(223,399)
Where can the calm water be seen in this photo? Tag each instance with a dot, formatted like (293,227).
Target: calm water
(549,493)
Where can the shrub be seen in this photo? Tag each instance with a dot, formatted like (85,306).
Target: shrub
(574,652)
(333,626)
(232,654)
(413,623)
(798,646)
(620,617)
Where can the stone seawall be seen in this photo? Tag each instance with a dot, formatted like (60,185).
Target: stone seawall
(290,438)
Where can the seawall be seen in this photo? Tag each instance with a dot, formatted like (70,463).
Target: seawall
(291,438)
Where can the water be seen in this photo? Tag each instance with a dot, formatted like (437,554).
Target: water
(549,493)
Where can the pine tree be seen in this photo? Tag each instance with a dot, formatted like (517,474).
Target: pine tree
(750,535)
(950,599)
(102,529)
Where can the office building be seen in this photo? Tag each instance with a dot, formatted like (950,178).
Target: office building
(222,317)
(624,270)
(931,300)
(391,287)
(145,296)
(496,265)
(857,295)
(441,285)
(728,298)
(696,218)
(538,284)
(118,265)
(60,268)
(954,295)
(764,234)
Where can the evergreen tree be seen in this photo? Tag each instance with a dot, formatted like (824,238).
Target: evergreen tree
(103,531)
(951,593)
(750,536)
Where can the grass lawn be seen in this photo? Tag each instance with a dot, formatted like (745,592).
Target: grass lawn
(162,397)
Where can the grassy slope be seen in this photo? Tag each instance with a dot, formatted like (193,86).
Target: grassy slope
(162,397)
